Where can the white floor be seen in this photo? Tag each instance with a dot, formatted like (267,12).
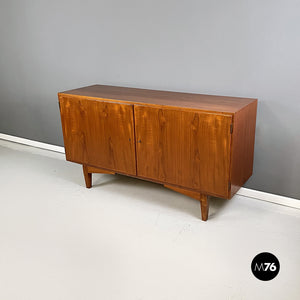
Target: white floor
(130,239)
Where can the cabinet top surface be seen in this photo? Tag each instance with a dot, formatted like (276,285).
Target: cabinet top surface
(222,104)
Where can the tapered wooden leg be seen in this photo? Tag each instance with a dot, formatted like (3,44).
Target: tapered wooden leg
(87,176)
(204,206)
(196,195)
(87,172)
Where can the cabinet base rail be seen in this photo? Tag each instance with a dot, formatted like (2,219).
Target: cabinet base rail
(202,198)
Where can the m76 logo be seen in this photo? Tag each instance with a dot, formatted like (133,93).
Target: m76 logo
(265,266)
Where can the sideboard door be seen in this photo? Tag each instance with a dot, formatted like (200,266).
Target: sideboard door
(99,133)
(185,148)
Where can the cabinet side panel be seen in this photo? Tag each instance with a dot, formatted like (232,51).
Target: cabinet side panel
(243,139)
(187,149)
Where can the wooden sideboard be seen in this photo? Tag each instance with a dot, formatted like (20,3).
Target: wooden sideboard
(197,145)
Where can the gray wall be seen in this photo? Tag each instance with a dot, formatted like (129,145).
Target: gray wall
(238,48)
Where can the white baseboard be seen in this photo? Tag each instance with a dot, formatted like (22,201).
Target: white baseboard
(277,199)
(32,143)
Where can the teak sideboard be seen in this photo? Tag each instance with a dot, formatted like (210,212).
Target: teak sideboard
(197,145)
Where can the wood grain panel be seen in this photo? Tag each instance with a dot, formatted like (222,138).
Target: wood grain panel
(188,149)
(98,133)
(243,138)
(221,104)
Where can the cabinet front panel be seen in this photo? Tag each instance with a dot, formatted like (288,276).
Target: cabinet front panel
(99,133)
(185,148)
